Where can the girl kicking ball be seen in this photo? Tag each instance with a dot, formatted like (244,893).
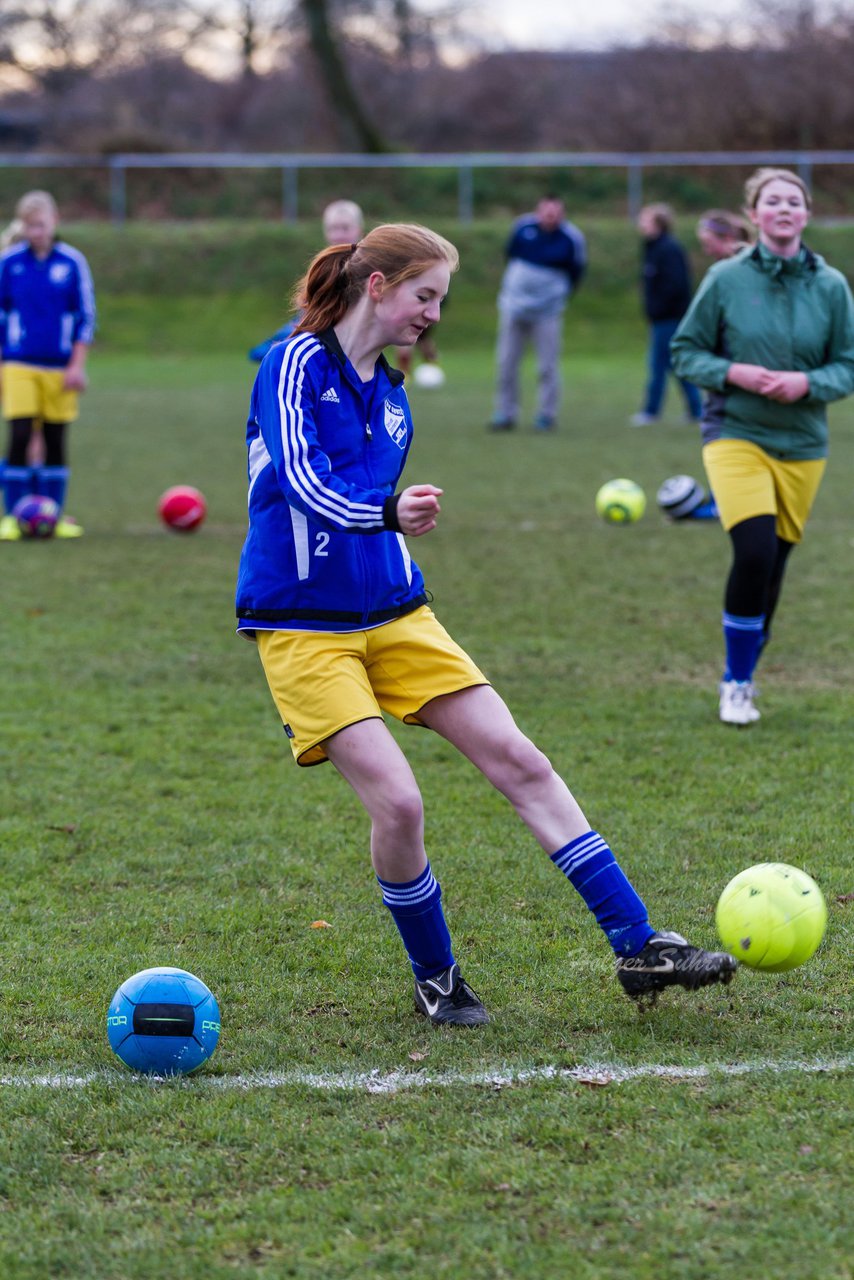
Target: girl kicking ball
(329,590)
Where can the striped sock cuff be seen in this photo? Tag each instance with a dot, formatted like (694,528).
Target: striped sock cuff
(736,623)
(573,855)
(410,894)
(590,866)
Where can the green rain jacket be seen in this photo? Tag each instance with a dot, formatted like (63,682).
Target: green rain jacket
(792,314)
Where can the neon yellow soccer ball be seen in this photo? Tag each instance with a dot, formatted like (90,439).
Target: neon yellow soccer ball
(620,502)
(771,917)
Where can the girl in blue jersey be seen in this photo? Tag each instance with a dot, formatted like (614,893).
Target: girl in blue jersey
(329,591)
(47,323)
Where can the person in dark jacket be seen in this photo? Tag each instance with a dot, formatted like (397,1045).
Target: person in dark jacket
(666,283)
(328,590)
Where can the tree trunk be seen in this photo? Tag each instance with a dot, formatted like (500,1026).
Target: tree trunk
(354,121)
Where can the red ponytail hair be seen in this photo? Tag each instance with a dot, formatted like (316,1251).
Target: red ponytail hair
(337,276)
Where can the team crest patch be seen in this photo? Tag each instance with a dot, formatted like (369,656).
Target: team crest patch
(395,423)
(59,272)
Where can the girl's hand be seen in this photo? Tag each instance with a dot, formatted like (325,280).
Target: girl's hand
(417,509)
(74,378)
(783,387)
(775,384)
(748,376)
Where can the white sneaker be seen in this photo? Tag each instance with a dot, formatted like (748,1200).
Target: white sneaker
(736,704)
(641,420)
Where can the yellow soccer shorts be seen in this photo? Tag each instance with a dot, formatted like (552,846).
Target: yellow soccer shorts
(747,482)
(32,392)
(323,681)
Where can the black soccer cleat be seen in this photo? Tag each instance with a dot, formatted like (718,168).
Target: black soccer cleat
(447,999)
(667,960)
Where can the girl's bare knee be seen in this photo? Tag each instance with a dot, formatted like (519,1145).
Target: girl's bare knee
(526,765)
(402,816)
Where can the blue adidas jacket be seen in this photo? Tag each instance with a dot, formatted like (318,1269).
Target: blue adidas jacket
(46,305)
(326,450)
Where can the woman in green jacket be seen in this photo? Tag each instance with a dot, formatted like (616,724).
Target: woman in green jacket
(770,336)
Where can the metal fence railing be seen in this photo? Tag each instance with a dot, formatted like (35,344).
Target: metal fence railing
(290,166)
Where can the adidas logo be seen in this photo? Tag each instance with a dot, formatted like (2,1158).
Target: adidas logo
(331,395)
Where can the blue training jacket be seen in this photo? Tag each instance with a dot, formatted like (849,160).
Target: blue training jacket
(324,551)
(46,305)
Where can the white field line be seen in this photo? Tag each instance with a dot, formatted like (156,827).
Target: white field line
(387,1082)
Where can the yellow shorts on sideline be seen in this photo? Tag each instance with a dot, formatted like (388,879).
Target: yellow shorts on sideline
(31,392)
(747,482)
(322,681)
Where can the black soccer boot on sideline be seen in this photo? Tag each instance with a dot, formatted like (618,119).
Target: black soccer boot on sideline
(667,960)
(447,999)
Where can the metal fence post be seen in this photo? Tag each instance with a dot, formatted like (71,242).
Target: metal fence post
(634,176)
(118,191)
(290,193)
(465,192)
(805,170)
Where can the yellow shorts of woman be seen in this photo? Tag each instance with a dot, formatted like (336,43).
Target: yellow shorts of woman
(323,681)
(747,482)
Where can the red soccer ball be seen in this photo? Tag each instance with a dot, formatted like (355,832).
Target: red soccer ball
(182,507)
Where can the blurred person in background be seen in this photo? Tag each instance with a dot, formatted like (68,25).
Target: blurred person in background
(722,233)
(343,223)
(666,287)
(47,324)
(546,260)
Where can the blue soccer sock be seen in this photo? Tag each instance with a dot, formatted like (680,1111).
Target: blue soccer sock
(592,869)
(707,510)
(16,485)
(416,906)
(743,642)
(52,482)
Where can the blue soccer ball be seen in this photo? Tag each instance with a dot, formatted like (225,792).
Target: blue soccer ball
(163,1022)
(37,516)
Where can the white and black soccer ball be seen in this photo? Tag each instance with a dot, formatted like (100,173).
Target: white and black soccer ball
(680,496)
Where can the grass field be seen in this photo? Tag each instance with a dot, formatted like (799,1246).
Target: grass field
(152,815)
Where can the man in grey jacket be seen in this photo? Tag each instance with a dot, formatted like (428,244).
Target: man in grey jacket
(546,258)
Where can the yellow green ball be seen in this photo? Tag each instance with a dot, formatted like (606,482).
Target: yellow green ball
(771,917)
(620,502)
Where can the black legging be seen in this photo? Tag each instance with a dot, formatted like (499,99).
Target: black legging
(20,434)
(758,564)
